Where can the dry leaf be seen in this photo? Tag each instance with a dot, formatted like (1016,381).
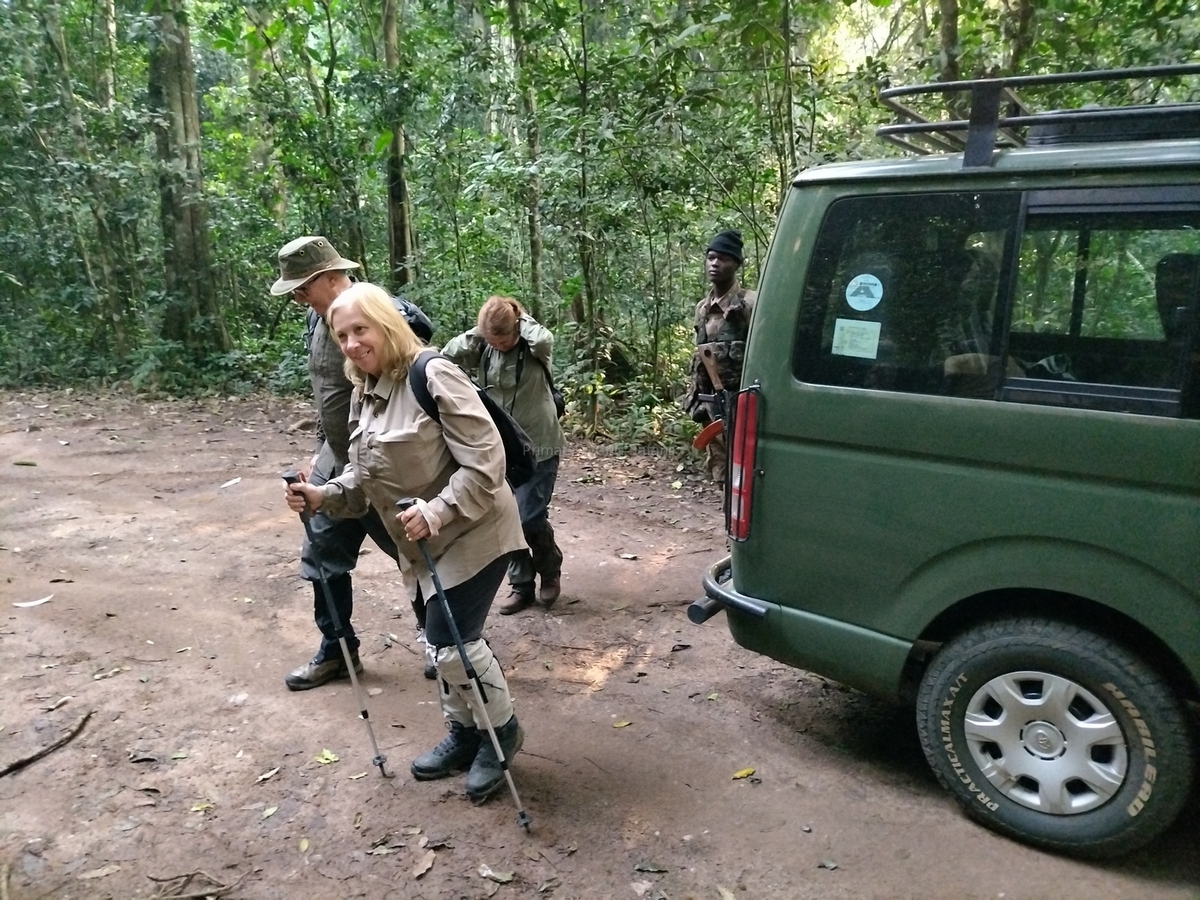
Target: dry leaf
(628,556)
(325,757)
(265,775)
(489,873)
(98,873)
(412,829)
(425,864)
(742,773)
(357,819)
(303,845)
(202,806)
(714,696)
(179,754)
(725,893)
(827,864)
(622,724)
(269,811)
(358,776)
(29,603)
(648,866)
(231,482)
(676,485)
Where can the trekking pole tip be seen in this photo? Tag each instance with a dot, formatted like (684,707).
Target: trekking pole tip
(523,820)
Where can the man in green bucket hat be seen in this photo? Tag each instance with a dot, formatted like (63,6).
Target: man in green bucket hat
(315,274)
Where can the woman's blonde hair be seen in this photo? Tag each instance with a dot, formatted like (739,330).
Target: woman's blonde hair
(499,317)
(400,345)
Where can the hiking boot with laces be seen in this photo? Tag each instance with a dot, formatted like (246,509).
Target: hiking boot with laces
(317,672)
(453,754)
(520,598)
(486,773)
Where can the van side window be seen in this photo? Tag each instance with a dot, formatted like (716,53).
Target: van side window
(903,294)
(1107,300)
(1093,303)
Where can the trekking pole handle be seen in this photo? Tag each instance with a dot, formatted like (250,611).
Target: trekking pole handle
(291,476)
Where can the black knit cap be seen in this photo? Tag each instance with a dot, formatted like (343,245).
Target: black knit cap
(729,243)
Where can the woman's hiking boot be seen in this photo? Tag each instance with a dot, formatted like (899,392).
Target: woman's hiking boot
(453,754)
(486,773)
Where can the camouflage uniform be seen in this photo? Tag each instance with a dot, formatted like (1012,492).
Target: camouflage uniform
(722,323)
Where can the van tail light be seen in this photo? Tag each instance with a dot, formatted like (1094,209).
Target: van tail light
(743,448)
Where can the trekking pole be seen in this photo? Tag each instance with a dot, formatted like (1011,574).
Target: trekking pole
(472,676)
(292,477)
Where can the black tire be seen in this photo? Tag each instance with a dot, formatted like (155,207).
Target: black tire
(1097,774)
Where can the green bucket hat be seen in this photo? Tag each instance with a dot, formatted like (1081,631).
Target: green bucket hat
(305,258)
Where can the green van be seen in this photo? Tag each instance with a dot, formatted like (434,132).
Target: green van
(965,456)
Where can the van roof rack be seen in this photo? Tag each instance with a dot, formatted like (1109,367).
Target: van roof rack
(986,130)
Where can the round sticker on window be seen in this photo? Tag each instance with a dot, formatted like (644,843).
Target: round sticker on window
(864,292)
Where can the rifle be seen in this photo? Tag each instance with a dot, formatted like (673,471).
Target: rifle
(719,397)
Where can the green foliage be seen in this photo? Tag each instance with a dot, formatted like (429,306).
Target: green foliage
(656,126)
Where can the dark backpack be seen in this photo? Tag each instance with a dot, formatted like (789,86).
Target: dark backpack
(519,458)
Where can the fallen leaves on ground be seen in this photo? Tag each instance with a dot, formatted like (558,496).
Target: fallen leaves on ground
(325,757)
(743,773)
(424,864)
(265,775)
(492,875)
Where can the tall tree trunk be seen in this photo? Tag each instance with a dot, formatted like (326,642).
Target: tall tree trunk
(192,316)
(106,79)
(400,224)
(789,103)
(956,103)
(533,187)
(1018,28)
(112,301)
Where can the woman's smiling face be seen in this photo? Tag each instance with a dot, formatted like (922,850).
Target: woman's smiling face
(360,339)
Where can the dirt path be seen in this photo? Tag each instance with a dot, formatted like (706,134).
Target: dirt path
(159,532)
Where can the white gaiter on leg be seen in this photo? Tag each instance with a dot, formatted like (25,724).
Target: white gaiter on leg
(495,687)
(456,704)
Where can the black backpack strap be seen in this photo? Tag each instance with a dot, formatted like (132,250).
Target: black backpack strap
(420,385)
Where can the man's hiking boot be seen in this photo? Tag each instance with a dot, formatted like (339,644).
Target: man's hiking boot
(453,754)
(317,672)
(486,773)
(551,587)
(520,598)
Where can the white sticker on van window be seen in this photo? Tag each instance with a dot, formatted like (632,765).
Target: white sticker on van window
(864,292)
(854,338)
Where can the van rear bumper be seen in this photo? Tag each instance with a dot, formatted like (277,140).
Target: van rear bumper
(719,594)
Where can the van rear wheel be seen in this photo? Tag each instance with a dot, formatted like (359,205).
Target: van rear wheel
(1055,735)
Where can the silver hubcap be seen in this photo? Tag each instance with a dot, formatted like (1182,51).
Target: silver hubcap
(1046,742)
